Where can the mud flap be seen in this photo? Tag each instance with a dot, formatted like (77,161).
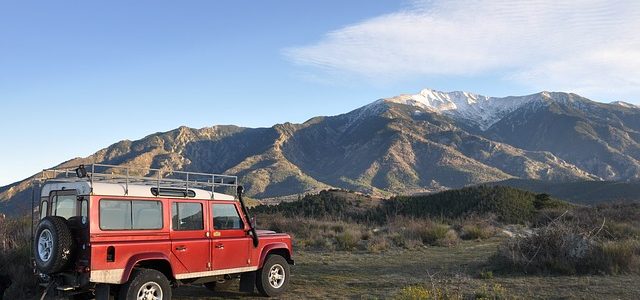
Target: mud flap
(102,291)
(248,282)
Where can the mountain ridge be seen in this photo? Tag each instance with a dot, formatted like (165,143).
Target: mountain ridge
(399,145)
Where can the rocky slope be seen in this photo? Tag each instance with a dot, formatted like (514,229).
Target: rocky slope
(406,144)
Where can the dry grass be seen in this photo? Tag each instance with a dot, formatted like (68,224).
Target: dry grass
(574,244)
(362,275)
(14,259)
(479,231)
(417,292)
(330,235)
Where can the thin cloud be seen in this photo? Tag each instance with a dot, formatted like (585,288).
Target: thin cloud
(577,45)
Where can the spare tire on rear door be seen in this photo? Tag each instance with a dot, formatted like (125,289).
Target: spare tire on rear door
(53,245)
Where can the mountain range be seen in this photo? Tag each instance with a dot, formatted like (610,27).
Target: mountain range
(407,144)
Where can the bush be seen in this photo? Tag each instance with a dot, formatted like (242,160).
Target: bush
(496,291)
(378,244)
(15,258)
(427,232)
(416,292)
(616,257)
(347,240)
(619,230)
(566,248)
(486,275)
(477,231)
(432,234)
(555,249)
(510,205)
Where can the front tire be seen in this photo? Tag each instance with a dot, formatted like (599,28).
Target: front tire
(273,279)
(146,284)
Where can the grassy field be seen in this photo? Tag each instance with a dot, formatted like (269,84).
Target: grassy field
(349,246)
(353,275)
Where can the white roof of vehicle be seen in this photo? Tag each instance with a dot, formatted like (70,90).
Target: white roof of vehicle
(120,189)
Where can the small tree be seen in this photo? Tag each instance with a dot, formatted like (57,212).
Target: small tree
(541,201)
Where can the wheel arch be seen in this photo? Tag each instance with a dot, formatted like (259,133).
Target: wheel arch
(275,248)
(157,261)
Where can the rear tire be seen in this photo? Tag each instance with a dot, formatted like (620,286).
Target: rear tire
(146,282)
(53,245)
(273,279)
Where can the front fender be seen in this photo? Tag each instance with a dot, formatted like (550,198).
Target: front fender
(271,247)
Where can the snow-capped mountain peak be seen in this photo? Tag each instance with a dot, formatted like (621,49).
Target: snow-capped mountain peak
(481,111)
(624,104)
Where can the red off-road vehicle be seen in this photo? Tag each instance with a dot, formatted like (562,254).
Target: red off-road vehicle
(134,234)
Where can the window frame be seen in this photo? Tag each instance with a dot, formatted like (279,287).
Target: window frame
(162,223)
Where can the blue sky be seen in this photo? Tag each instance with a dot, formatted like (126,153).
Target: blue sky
(77,76)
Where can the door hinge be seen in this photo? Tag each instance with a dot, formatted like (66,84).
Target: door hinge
(208,265)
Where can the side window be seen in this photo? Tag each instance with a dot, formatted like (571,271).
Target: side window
(225,217)
(146,214)
(44,205)
(64,206)
(187,216)
(115,215)
(130,215)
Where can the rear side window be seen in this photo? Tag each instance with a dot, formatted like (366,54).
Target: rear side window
(225,217)
(130,215)
(187,216)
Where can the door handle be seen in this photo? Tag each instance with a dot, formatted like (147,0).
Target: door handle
(219,246)
(181,248)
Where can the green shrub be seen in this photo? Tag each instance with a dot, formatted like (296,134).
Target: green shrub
(378,244)
(399,240)
(347,240)
(431,235)
(477,232)
(510,205)
(416,292)
(493,292)
(486,274)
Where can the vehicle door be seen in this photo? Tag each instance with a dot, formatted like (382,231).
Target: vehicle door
(229,238)
(189,235)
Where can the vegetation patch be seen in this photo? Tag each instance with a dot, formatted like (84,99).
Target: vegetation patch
(576,242)
(16,275)
(417,292)
(509,205)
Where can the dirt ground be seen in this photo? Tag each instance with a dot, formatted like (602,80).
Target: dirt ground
(352,275)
